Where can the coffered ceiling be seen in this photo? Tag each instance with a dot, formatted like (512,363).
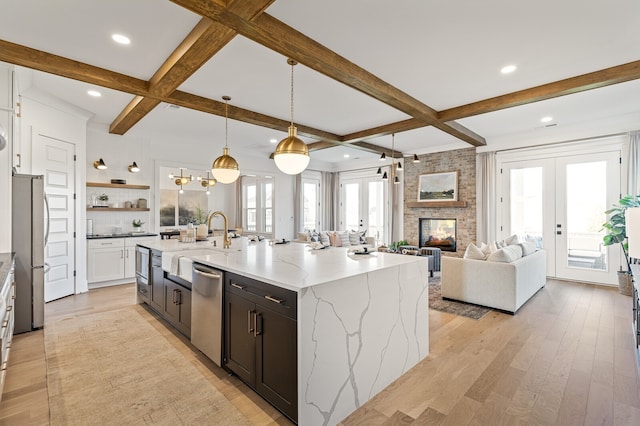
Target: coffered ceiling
(427,70)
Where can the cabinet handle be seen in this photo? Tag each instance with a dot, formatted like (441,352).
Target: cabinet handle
(173,296)
(274,299)
(241,287)
(179,298)
(19,161)
(249,329)
(5,323)
(10,308)
(256,332)
(121,254)
(126,253)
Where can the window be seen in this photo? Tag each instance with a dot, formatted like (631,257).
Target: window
(257,202)
(310,204)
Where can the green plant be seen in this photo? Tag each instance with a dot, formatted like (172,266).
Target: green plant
(137,223)
(394,246)
(616,227)
(200,217)
(103,197)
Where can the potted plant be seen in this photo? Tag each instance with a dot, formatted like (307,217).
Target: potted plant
(616,233)
(103,198)
(137,225)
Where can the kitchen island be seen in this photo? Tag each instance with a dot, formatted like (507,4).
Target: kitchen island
(362,320)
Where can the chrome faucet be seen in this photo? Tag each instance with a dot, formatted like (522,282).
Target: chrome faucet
(225,237)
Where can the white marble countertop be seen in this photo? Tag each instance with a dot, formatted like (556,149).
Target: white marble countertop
(293,266)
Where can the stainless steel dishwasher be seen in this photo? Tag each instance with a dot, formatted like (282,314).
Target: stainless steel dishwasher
(206,311)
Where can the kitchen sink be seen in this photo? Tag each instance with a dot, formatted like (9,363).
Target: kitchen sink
(182,268)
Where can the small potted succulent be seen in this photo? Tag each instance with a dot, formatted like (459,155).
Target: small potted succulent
(103,199)
(137,225)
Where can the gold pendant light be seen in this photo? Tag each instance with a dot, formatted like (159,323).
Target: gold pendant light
(292,154)
(225,168)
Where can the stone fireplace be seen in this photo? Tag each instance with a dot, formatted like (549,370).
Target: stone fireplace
(438,233)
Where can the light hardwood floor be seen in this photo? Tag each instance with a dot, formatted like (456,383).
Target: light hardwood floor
(566,358)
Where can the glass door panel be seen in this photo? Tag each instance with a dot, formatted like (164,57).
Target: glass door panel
(586,185)
(526,215)
(376,226)
(351,206)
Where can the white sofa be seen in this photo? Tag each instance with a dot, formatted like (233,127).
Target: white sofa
(504,286)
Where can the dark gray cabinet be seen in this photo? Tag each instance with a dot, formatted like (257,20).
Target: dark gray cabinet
(177,306)
(261,340)
(156,298)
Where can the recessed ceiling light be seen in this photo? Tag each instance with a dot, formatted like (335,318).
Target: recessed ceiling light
(273,140)
(346,156)
(546,119)
(94,93)
(119,38)
(508,69)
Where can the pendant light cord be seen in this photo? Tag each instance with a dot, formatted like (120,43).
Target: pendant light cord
(393,144)
(226,122)
(292,64)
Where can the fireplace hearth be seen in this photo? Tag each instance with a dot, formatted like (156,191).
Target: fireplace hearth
(437,233)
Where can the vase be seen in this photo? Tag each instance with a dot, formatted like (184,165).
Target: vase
(137,229)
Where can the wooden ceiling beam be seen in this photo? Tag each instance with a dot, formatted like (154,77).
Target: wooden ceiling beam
(279,37)
(593,80)
(211,106)
(53,64)
(201,44)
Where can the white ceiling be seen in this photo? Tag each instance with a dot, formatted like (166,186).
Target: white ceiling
(443,53)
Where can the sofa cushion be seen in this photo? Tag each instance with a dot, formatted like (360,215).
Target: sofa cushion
(334,240)
(473,252)
(506,254)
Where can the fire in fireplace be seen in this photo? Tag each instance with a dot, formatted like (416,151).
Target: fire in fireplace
(437,232)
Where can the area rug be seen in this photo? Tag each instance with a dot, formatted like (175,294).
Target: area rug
(452,307)
(114,368)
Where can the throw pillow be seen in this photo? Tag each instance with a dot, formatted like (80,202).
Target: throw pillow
(344,238)
(354,238)
(335,239)
(528,247)
(315,237)
(511,240)
(303,236)
(506,254)
(324,238)
(473,252)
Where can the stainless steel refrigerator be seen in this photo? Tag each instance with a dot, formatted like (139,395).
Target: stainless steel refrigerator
(28,242)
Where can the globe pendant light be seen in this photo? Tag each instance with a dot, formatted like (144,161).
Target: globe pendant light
(292,154)
(225,168)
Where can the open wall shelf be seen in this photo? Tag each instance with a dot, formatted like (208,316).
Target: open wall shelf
(116,185)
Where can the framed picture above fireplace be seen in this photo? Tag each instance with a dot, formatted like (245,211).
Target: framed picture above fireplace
(438,233)
(438,187)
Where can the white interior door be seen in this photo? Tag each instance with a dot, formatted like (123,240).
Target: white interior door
(560,202)
(55,160)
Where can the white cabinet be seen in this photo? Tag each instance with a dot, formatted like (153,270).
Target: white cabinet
(7,297)
(112,259)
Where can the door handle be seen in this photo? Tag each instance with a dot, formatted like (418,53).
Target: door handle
(208,275)
(257,332)
(249,328)
(179,297)
(559,232)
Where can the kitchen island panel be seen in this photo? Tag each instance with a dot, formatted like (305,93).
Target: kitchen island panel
(356,336)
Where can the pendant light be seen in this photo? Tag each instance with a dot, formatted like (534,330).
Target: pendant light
(292,154)
(207,183)
(225,168)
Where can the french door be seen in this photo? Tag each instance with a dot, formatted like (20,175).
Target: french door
(560,202)
(364,206)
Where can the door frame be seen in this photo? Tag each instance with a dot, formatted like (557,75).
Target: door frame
(579,147)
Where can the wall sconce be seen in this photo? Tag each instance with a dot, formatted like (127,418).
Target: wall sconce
(208,182)
(99,164)
(133,167)
(182,180)
(415,158)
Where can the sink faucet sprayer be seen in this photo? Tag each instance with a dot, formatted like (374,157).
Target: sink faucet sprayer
(225,237)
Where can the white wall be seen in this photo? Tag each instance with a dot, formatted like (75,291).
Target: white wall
(154,151)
